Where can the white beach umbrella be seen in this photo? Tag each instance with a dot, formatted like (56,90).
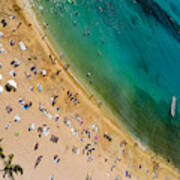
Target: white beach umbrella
(45,131)
(32,126)
(1,89)
(1,34)
(22,46)
(17,118)
(12,83)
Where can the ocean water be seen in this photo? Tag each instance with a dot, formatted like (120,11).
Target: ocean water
(132,50)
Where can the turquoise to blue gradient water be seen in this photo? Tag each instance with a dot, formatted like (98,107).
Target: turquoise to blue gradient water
(132,50)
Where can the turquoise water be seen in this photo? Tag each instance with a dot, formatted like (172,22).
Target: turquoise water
(131,48)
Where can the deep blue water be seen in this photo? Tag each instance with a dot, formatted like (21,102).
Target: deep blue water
(132,49)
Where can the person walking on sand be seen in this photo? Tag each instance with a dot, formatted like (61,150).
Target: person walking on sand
(36,146)
(38,161)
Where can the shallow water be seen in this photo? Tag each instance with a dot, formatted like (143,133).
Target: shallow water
(131,48)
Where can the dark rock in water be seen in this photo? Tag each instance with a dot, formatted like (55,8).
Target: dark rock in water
(152,8)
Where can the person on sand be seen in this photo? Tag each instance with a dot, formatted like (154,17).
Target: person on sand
(38,161)
(9,109)
(3,22)
(8,126)
(52,178)
(56,158)
(53,100)
(36,146)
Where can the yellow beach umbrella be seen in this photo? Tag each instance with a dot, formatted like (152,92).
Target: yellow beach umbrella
(18,133)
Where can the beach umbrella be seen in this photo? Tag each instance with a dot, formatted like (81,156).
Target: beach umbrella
(17,118)
(22,46)
(1,89)
(1,34)
(12,83)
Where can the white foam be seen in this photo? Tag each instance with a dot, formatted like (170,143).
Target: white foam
(41,8)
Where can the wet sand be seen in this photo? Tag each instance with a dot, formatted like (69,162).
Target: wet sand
(49,104)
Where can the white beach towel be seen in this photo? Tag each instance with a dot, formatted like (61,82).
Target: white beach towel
(1,89)
(2,50)
(22,46)
(1,34)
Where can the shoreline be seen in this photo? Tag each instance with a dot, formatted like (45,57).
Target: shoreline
(79,82)
(114,121)
(110,120)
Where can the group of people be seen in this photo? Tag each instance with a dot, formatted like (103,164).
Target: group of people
(88,136)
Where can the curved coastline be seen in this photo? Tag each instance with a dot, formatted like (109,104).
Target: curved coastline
(84,87)
(136,89)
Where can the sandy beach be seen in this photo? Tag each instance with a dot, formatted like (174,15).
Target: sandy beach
(48,115)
